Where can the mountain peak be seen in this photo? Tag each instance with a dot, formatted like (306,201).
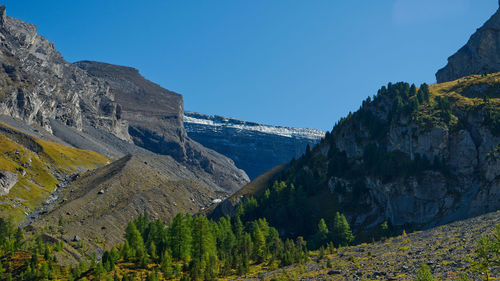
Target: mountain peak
(481,54)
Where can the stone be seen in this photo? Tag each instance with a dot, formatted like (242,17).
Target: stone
(334,271)
(7,181)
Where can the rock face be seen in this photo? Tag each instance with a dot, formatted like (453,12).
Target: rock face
(481,54)
(155,122)
(255,148)
(37,84)
(468,186)
(7,181)
(154,114)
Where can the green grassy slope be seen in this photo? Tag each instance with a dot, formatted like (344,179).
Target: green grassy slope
(40,165)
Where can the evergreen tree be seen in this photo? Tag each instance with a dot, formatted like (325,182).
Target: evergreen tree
(134,239)
(166,265)
(259,245)
(203,243)
(341,231)
(321,236)
(152,251)
(18,239)
(180,237)
(424,273)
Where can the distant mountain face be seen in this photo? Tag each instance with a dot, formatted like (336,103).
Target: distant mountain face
(481,54)
(255,148)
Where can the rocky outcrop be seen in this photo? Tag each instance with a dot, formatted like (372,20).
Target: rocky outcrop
(255,148)
(481,54)
(7,181)
(38,85)
(469,185)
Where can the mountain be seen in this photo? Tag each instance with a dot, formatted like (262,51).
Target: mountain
(255,148)
(94,145)
(98,106)
(155,122)
(481,54)
(415,158)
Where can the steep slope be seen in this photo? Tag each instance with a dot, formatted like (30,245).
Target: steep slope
(155,118)
(255,148)
(99,204)
(413,157)
(32,168)
(481,54)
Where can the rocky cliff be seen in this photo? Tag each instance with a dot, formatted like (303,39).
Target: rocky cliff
(38,85)
(480,55)
(255,148)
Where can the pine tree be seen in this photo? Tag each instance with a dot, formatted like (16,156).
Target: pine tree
(166,265)
(321,236)
(259,245)
(134,238)
(341,231)
(203,243)
(152,251)
(424,273)
(18,239)
(180,237)
(413,90)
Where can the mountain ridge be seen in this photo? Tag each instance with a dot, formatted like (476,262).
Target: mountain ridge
(254,147)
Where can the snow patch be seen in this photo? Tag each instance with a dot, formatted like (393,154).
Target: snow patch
(223,122)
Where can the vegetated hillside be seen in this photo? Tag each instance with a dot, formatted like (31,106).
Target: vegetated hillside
(415,158)
(194,248)
(32,168)
(450,251)
(481,54)
(256,186)
(97,206)
(254,147)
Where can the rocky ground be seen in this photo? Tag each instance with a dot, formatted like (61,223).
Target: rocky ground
(446,249)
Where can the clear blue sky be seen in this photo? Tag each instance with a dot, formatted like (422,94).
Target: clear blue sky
(284,62)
